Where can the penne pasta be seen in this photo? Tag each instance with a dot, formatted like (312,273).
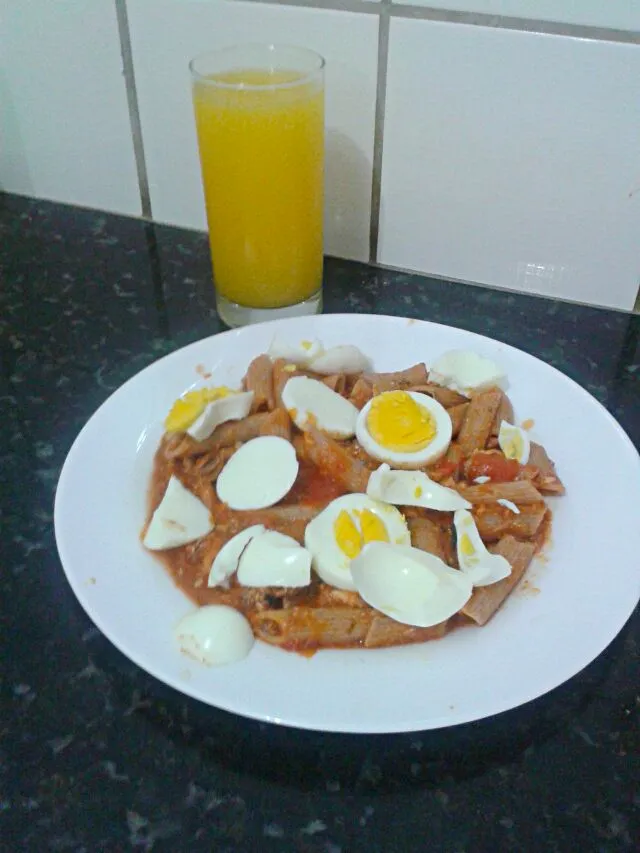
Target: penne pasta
(361,393)
(478,422)
(301,628)
(429,536)
(543,472)
(399,379)
(331,457)
(517,491)
(445,396)
(384,631)
(495,521)
(337,382)
(259,379)
(234,432)
(486,600)
(457,414)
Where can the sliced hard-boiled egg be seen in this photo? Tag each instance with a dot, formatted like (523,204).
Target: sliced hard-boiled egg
(337,535)
(299,354)
(227,559)
(412,488)
(409,585)
(465,372)
(259,474)
(191,405)
(215,635)
(180,518)
(481,567)
(308,399)
(231,407)
(341,359)
(404,428)
(514,442)
(273,559)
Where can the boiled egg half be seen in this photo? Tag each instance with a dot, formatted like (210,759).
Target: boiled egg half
(412,488)
(404,428)
(409,585)
(310,401)
(230,407)
(191,405)
(337,535)
(259,474)
(465,372)
(481,567)
(180,518)
(215,635)
(514,442)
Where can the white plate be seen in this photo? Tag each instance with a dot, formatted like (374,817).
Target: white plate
(588,586)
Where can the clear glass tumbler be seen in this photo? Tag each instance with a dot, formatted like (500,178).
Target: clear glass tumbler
(259,113)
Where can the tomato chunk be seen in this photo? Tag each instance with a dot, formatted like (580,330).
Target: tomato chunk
(492,464)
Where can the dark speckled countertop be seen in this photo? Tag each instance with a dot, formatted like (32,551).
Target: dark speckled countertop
(98,756)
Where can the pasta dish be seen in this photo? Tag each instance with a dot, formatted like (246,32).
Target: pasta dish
(325,505)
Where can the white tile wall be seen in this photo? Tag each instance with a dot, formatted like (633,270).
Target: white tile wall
(615,14)
(64,128)
(166,34)
(513,159)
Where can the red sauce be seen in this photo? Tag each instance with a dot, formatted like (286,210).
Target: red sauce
(313,487)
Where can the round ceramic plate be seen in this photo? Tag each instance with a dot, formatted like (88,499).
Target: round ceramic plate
(574,602)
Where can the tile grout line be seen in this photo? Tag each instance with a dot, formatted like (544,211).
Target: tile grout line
(132,103)
(378,129)
(506,22)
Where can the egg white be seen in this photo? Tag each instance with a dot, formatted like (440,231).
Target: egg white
(431,453)
(328,560)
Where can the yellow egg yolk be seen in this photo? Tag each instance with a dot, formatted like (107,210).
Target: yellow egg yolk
(512,445)
(398,423)
(188,408)
(351,539)
(466,546)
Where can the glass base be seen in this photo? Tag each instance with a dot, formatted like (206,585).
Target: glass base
(235,315)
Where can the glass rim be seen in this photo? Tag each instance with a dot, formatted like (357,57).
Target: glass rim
(305,76)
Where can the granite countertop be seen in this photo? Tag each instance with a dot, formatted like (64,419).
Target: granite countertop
(99,756)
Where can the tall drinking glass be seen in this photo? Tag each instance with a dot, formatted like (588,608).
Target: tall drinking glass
(259,113)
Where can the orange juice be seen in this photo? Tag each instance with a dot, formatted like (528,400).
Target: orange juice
(261,140)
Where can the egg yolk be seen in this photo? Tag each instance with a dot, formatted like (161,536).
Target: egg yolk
(512,446)
(398,423)
(188,408)
(466,546)
(350,539)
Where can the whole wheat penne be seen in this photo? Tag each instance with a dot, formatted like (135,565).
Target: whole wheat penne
(259,379)
(331,596)
(445,396)
(457,415)
(428,536)
(337,382)
(543,471)
(495,521)
(361,393)
(290,520)
(384,631)
(517,491)
(415,375)
(478,421)
(332,458)
(486,600)
(283,371)
(504,413)
(301,628)
(275,423)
